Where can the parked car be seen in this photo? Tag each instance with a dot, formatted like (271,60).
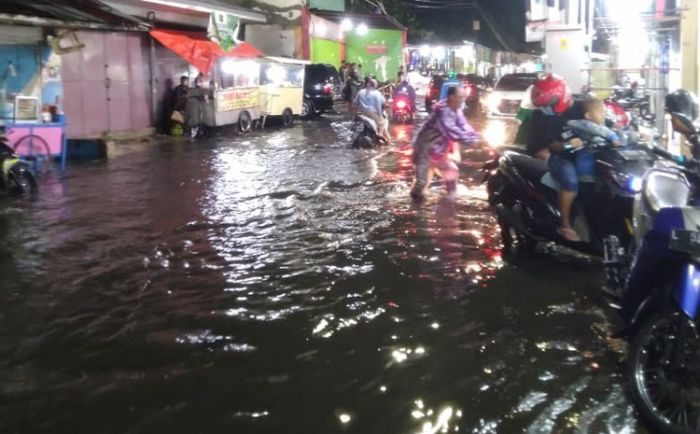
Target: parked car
(321,88)
(508,94)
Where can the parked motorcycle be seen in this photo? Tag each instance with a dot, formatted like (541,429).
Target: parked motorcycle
(525,197)
(365,133)
(661,296)
(16,179)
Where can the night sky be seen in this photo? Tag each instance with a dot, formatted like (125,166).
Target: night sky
(455,25)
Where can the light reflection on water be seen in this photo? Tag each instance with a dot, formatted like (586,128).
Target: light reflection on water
(284,283)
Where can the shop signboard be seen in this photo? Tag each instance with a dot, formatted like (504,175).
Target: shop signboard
(236,99)
(379,51)
(223,29)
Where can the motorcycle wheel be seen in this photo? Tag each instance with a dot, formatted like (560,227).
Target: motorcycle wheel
(663,372)
(515,244)
(21,183)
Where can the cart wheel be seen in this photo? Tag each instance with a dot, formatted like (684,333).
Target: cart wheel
(35,151)
(244,122)
(287,117)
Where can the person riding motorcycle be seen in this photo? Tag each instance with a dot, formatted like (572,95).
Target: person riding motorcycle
(436,146)
(403,88)
(370,102)
(551,94)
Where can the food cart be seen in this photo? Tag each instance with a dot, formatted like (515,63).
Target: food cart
(281,88)
(236,93)
(234,97)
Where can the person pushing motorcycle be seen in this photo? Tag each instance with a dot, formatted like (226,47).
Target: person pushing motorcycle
(436,146)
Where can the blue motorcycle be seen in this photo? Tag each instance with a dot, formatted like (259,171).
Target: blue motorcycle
(661,296)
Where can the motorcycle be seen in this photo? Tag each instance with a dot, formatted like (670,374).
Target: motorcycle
(403,110)
(633,100)
(365,133)
(660,299)
(525,197)
(16,179)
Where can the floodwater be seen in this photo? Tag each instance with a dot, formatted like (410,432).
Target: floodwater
(280,282)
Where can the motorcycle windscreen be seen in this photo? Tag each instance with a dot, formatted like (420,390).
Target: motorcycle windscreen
(689,296)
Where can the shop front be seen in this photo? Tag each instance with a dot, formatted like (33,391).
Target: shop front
(376,42)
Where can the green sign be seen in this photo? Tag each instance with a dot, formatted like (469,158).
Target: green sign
(328,5)
(223,29)
(379,51)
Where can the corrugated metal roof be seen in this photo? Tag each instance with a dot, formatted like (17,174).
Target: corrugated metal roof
(74,13)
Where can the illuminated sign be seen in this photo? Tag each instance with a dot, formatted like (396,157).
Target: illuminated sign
(236,99)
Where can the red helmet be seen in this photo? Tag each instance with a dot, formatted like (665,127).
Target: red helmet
(552,91)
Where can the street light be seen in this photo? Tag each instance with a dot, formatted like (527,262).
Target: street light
(346,25)
(362,29)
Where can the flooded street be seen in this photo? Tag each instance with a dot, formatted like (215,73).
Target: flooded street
(280,282)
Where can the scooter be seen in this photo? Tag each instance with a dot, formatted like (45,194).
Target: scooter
(403,110)
(16,178)
(660,299)
(365,133)
(525,197)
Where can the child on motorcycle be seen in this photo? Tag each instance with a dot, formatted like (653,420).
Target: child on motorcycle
(570,163)
(436,146)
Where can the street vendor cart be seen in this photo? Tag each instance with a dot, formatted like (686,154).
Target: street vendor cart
(231,78)
(237,93)
(281,88)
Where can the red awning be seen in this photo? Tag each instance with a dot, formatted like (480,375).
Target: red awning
(197,49)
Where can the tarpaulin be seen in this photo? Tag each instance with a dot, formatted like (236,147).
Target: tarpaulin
(200,51)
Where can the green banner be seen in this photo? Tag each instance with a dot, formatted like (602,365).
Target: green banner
(328,5)
(223,29)
(325,51)
(379,51)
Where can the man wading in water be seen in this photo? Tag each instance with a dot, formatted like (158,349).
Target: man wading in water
(436,147)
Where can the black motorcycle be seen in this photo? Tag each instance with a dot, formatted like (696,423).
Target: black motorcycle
(525,197)
(16,179)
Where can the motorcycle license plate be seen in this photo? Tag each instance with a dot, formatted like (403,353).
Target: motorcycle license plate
(685,241)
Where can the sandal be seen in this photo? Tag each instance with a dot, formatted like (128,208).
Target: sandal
(569,235)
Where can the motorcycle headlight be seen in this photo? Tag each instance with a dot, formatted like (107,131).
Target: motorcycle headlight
(630,183)
(666,190)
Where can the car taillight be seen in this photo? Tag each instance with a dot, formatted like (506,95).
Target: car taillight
(468,90)
(400,104)
(327,89)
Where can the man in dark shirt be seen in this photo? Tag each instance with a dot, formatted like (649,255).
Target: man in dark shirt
(553,97)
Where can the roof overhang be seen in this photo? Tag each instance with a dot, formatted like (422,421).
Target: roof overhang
(376,21)
(206,7)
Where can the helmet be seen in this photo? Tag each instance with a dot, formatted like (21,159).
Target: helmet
(551,91)
(684,102)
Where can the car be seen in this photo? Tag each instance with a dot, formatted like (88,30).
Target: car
(508,94)
(321,89)
(434,87)
(474,86)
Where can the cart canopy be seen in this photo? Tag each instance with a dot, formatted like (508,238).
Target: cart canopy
(197,49)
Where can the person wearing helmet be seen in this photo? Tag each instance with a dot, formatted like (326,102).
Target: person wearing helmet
(682,105)
(552,96)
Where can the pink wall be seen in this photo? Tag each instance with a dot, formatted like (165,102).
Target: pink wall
(106,84)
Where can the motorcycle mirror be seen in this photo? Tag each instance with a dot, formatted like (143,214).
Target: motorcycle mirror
(683,124)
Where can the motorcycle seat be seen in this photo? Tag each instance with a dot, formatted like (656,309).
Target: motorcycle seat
(531,168)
